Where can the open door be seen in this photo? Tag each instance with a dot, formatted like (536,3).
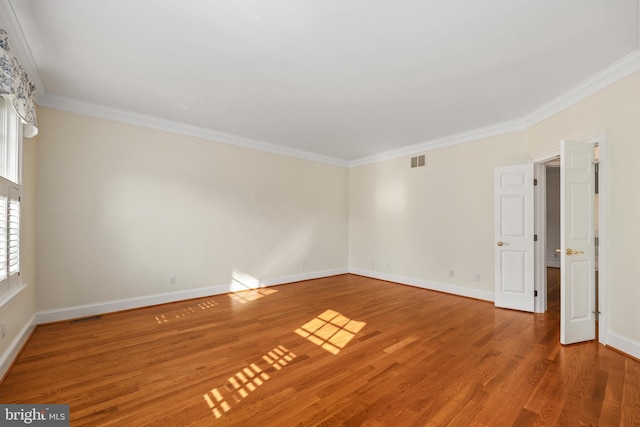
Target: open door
(577,294)
(514,237)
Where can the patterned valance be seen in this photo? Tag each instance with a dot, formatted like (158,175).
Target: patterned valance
(15,85)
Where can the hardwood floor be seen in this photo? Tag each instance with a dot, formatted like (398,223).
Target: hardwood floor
(344,350)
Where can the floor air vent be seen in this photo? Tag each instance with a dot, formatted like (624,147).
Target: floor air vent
(86,319)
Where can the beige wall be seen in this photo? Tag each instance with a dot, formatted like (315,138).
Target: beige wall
(121,208)
(423,222)
(19,313)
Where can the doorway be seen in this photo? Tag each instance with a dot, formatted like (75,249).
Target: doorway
(552,242)
(546,169)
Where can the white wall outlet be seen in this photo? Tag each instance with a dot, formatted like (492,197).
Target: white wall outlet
(172,279)
(303,263)
(452,273)
(477,277)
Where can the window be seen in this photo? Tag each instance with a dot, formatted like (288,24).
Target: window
(10,197)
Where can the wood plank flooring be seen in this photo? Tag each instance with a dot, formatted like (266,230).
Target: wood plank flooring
(344,350)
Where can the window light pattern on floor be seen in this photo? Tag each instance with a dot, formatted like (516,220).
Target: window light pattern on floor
(279,357)
(331,330)
(239,386)
(204,305)
(244,297)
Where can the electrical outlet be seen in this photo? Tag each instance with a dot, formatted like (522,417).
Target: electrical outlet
(303,263)
(452,273)
(172,279)
(477,277)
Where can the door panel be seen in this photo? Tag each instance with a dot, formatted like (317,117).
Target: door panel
(580,303)
(513,229)
(513,271)
(577,288)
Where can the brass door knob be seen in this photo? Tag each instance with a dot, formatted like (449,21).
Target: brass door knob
(572,252)
(499,243)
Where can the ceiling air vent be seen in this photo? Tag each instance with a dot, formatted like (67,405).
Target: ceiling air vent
(418,161)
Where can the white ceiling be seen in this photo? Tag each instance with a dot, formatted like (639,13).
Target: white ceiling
(343,79)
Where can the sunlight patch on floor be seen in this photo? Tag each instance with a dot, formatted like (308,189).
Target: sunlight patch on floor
(330,330)
(244,297)
(242,383)
(279,357)
(245,288)
(204,305)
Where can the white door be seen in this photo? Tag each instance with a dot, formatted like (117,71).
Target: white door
(577,287)
(514,234)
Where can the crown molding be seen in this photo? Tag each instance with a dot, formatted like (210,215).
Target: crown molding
(446,141)
(620,69)
(613,73)
(72,105)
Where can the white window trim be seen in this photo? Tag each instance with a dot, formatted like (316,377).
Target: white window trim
(11,177)
(7,298)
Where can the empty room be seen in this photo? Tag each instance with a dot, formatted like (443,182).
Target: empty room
(303,213)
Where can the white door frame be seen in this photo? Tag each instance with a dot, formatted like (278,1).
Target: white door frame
(540,221)
(540,269)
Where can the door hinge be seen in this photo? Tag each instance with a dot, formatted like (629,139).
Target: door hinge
(597,240)
(535,237)
(535,293)
(535,181)
(596,315)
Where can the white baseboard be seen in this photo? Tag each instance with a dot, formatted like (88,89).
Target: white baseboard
(75,312)
(67,313)
(16,345)
(304,276)
(426,284)
(624,344)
